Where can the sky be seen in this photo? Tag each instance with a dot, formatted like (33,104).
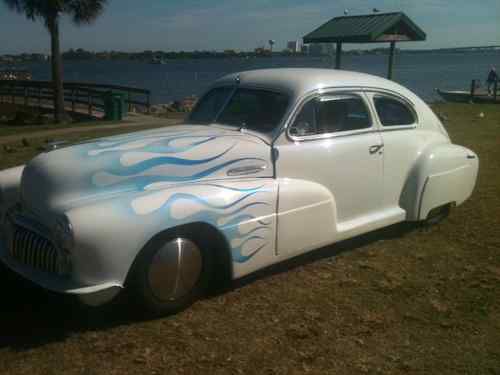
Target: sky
(175,25)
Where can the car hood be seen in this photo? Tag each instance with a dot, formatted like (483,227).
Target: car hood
(142,161)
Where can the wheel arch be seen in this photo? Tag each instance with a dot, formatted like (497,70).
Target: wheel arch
(206,236)
(444,174)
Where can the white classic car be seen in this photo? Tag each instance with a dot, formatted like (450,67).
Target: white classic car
(269,165)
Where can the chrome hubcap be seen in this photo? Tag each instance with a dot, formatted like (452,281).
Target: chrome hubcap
(175,269)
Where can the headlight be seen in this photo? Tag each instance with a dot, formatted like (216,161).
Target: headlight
(63,233)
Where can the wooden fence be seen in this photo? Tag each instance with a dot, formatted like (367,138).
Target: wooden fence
(78,97)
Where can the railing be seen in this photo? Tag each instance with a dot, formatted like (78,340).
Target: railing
(86,97)
(15,74)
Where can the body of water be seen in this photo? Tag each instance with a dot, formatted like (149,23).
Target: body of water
(422,73)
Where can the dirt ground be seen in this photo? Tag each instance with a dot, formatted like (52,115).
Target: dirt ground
(403,300)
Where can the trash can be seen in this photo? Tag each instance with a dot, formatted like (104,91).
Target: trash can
(115,107)
(121,103)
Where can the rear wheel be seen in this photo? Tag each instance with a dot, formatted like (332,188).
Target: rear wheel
(171,273)
(437,215)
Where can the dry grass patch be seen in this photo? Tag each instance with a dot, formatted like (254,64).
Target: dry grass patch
(402,300)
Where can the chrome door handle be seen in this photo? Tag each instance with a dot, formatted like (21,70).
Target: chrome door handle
(375,148)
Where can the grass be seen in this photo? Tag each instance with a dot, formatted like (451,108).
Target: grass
(9,112)
(402,300)
(6,130)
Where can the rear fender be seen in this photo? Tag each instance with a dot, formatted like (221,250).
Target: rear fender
(443,174)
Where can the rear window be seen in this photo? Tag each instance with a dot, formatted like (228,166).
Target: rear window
(392,112)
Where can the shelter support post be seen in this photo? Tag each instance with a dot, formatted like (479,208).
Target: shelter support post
(338,55)
(391,60)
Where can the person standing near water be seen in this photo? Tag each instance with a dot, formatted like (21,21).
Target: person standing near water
(492,78)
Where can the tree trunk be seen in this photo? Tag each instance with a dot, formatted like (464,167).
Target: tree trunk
(57,82)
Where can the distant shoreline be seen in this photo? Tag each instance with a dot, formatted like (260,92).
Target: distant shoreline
(161,57)
(181,78)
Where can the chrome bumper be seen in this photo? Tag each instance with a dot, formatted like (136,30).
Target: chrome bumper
(93,295)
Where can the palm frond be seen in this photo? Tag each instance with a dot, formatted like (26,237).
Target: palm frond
(84,11)
(14,5)
(81,11)
(27,7)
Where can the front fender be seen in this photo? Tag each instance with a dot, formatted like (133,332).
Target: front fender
(110,234)
(443,174)
(307,217)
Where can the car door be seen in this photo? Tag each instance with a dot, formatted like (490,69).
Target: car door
(331,141)
(402,139)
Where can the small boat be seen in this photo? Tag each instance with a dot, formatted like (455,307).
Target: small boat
(458,96)
(158,61)
(15,75)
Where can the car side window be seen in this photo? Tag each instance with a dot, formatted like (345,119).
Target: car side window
(332,114)
(342,113)
(392,112)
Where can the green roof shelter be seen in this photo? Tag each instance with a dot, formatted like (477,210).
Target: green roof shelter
(370,28)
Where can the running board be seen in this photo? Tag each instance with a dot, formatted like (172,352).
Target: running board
(370,223)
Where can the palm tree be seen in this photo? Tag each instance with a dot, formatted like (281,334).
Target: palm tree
(271,44)
(50,11)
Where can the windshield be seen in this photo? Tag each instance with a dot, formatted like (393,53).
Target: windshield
(210,105)
(254,109)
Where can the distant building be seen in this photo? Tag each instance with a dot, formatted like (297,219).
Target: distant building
(294,46)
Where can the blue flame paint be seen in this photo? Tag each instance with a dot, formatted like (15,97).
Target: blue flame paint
(136,178)
(158,161)
(141,181)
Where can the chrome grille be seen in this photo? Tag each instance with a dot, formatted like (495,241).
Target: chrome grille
(33,250)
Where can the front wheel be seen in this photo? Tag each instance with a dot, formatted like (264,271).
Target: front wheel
(170,274)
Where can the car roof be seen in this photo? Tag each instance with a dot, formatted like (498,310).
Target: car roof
(300,81)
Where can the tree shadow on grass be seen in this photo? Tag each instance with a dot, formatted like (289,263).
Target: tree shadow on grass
(31,317)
